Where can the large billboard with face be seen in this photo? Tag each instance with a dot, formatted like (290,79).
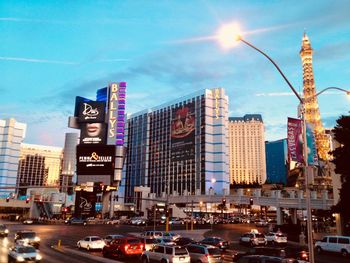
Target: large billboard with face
(95,159)
(116,112)
(183,132)
(93,133)
(91,111)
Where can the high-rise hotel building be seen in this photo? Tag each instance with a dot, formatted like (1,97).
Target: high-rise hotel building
(180,147)
(247,149)
(39,165)
(12,134)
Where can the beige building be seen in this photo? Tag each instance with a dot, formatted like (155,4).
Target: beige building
(247,149)
(39,165)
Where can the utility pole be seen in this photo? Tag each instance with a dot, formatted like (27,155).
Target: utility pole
(192,215)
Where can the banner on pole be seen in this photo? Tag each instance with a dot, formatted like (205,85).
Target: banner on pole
(312,158)
(294,139)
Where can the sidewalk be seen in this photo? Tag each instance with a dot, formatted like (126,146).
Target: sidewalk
(66,250)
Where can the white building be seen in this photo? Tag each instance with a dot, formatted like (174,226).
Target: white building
(12,134)
(247,149)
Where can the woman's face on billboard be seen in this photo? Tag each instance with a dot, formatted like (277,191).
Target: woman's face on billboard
(93,129)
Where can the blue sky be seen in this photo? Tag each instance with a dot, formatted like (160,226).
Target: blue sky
(52,51)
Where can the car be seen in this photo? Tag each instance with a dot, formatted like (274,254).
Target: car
(283,252)
(166,254)
(109,238)
(113,222)
(265,259)
(28,221)
(91,242)
(123,247)
(148,243)
(337,244)
(276,238)
(182,241)
(75,221)
(3,230)
(21,253)
(27,237)
(215,241)
(176,221)
(253,239)
(170,235)
(201,253)
(261,222)
(162,234)
(165,241)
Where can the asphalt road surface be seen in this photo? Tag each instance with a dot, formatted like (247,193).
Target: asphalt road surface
(69,235)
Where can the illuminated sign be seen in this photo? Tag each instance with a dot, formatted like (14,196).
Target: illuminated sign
(91,112)
(116,112)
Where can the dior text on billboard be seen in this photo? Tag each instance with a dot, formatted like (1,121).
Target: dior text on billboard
(294,139)
(116,112)
(93,133)
(91,111)
(85,204)
(182,132)
(95,159)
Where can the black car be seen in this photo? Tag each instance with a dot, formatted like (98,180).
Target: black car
(182,241)
(284,252)
(265,259)
(76,221)
(3,230)
(216,242)
(27,237)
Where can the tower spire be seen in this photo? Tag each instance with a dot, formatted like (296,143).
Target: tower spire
(312,111)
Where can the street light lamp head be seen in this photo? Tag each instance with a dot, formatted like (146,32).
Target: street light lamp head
(228,35)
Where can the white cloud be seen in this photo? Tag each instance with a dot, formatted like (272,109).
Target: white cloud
(35,60)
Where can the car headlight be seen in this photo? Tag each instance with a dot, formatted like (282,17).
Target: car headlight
(20,258)
(38,257)
(6,231)
(37,239)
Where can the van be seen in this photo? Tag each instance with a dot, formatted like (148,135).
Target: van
(337,244)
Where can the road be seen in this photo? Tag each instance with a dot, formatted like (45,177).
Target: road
(69,235)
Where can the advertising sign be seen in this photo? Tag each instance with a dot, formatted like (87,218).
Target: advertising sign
(116,112)
(91,111)
(294,139)
(93,133)
(95,159)
(312,158)
(182,132)
(85,204)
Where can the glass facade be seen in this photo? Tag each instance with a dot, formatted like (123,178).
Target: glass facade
(276,162)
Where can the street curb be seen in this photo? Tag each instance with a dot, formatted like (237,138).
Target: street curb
(63,249)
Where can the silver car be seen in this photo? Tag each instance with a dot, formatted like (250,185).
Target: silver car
(201,253)
(166,254)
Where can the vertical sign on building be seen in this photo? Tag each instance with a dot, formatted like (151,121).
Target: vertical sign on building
(116,112)
(294,139)
(116,124)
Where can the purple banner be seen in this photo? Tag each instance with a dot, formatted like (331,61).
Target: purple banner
(294,138)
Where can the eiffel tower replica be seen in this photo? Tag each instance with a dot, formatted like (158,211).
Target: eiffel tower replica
(312,115)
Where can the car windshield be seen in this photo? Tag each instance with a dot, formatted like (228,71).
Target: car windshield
(95,239)
(27,249)
(180,251)
(214,251)
(133,241)
(28,235)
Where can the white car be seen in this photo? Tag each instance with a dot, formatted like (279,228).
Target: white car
(339,244)
(253,239)
(165,241)
(261,222)
(21,253)
(164,253)
(91,242)
(276,238)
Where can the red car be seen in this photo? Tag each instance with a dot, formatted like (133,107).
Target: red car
(123,247)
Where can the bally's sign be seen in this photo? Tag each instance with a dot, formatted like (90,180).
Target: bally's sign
(116,112)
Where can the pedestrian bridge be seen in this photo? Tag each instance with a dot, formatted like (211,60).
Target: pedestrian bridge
(275,198)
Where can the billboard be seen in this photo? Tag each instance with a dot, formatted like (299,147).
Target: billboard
(91,111)
(116,112)
(95,159)
(93,133)
(85,204)
(294,139)
(312,158)
(183,132)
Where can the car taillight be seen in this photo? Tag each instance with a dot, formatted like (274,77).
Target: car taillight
(126,247)
(141,247)
(220,243)
(304,255)
(207,255)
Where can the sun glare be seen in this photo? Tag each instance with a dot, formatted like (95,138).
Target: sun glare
(228,35)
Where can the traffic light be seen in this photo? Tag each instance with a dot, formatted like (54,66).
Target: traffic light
(7,199)
(251,201)
(27,200)
(224,201)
